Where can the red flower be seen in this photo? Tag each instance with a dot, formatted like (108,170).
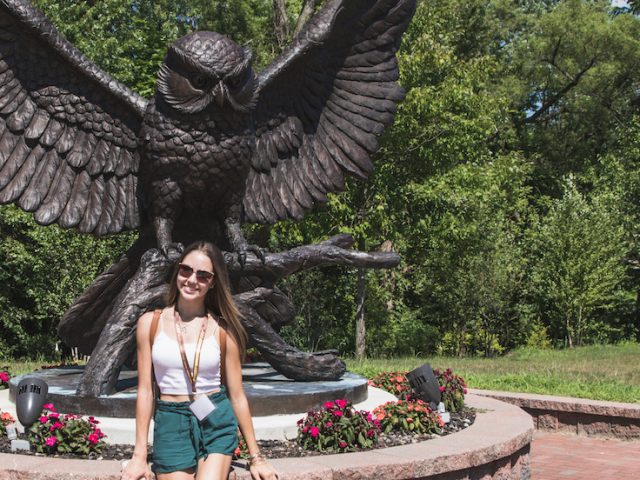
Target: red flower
(49,406)
(56,426)
(341,403)
(93,438)
(44,419)
(4,376)
(337,413)
(441,389)
(343,444)
(329,404)
(399,379)
(328,424)
(51,441)
(314,432)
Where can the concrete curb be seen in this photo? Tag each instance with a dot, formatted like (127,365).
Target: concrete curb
(575,415)
(495,446)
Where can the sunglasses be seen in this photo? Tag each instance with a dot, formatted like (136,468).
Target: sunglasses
(202,276)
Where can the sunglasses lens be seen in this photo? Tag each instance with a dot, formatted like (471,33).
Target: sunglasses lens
(203,276)
(185,270)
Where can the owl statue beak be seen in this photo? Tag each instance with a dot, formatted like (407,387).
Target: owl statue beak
(219,94)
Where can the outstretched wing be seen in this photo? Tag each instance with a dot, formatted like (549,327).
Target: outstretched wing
(68,131)
(322,104)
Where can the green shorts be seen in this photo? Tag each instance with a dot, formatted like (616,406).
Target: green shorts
(180,440)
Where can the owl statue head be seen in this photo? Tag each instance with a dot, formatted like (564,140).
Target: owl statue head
(206,68)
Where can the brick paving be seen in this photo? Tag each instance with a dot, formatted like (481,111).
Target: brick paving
(557,456)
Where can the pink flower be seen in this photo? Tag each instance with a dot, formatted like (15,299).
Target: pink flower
(51,441)
(54,416)
(343,444)
(441,389)
(56,426)
(370,433)
(337,413)
(49,406)
(409,420)
(341,403)
(93,438)
(93,420)
(314,432)
(399,379)
(44,419)
(465,391)
(99,432)
(328,424)
(329,404)
(305,429)
(4,376)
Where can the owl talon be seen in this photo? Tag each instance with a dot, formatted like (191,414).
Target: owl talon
(172,251)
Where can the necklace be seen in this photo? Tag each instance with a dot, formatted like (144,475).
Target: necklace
(184,325)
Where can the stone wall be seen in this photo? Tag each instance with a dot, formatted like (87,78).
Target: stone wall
(576,415)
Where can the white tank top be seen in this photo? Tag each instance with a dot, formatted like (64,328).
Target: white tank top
(169,370)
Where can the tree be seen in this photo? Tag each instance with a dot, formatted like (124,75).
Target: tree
(578,270)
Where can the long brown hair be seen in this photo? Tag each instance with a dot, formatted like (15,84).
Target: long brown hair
(218,298)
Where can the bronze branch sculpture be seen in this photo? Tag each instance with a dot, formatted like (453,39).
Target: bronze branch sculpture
(217,146)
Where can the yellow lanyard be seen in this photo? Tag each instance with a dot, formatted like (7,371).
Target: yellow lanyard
(196,359)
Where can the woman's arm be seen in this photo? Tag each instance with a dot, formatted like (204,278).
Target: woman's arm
(233,373)
(137,466)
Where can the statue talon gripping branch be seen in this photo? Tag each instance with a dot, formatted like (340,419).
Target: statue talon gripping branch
(218,145)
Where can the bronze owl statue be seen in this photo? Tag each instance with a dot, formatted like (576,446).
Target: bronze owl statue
(217,146)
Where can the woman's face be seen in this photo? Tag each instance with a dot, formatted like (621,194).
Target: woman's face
(195,276)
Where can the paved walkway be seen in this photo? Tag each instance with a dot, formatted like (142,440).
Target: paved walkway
(557,456)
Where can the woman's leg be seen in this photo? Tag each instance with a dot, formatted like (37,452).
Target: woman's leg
(188,474)
(215,467)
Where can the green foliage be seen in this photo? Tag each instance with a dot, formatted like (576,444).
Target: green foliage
(338,427)
(508,182)
(413,416)
(42,270)
(578,269)
(58,433)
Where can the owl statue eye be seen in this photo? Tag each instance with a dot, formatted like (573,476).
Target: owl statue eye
(200,82)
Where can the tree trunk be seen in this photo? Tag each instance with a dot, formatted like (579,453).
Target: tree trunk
(360,297)
(308,8)
(281,23)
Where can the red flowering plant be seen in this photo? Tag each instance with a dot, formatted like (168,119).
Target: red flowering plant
(393,382)
(414,416)
(4,378)
(5,419)
(452,389)
(338,427)
(58,433)
(241,451)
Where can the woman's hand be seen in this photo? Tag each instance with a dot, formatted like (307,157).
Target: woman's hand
(262,470)
(135,469)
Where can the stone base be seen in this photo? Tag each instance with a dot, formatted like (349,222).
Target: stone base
(268,392)
(495,447)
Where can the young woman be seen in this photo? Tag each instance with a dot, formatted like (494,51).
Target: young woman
(200,322)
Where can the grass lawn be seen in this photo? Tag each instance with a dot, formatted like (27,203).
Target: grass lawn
(608,372)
